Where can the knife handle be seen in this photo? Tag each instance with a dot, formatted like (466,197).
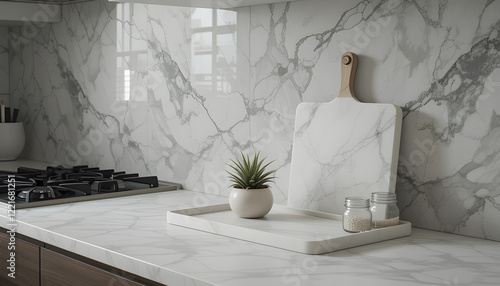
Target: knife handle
(14,116)
(7,115)
(2,113)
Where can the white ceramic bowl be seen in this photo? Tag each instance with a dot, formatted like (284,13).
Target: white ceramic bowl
(12,140)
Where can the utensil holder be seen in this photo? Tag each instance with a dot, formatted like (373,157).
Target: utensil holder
(12,140)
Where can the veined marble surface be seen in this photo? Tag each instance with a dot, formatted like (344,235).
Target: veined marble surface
(136,87)
(132,233)
(439,61)
(341,149)
(4,65)
(110,86)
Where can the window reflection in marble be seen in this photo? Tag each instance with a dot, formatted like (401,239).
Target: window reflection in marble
(131,53)
(213,52)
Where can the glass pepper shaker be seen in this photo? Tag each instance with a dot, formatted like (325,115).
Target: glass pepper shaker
(357,216)
(384,210)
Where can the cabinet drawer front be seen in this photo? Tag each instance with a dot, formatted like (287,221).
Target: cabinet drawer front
(26,262)
(61,270)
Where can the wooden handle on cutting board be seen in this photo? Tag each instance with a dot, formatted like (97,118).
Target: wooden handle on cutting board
(348,74)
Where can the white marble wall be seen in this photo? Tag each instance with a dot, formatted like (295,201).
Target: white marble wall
(439,61)
(4,65)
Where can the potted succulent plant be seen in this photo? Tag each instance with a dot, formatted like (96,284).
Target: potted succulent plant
(251,196)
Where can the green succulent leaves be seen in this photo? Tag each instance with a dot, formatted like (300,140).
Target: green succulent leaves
(250,174)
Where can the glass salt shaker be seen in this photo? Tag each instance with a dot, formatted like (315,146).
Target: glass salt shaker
(357,216)
(384,210)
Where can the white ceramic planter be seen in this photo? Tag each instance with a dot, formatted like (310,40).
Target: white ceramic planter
(251,203)
(12,140)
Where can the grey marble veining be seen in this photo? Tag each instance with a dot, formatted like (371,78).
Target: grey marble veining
(464,93)
(132,233)
(128,86)
(199,125)
(4,65)
(442,71)
(341,149)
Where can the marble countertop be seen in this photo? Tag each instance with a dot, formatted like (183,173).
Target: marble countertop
(132,233)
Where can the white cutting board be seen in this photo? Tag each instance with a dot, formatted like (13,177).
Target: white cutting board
(343,148)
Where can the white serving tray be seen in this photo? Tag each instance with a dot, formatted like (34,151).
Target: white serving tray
(303,231)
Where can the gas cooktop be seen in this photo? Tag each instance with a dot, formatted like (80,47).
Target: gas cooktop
(29,187)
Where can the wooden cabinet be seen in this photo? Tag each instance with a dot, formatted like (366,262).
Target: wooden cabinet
(40,264)
(26,261)
(57,269)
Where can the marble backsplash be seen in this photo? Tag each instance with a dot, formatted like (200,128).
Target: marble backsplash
(4,65)
(166,90)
